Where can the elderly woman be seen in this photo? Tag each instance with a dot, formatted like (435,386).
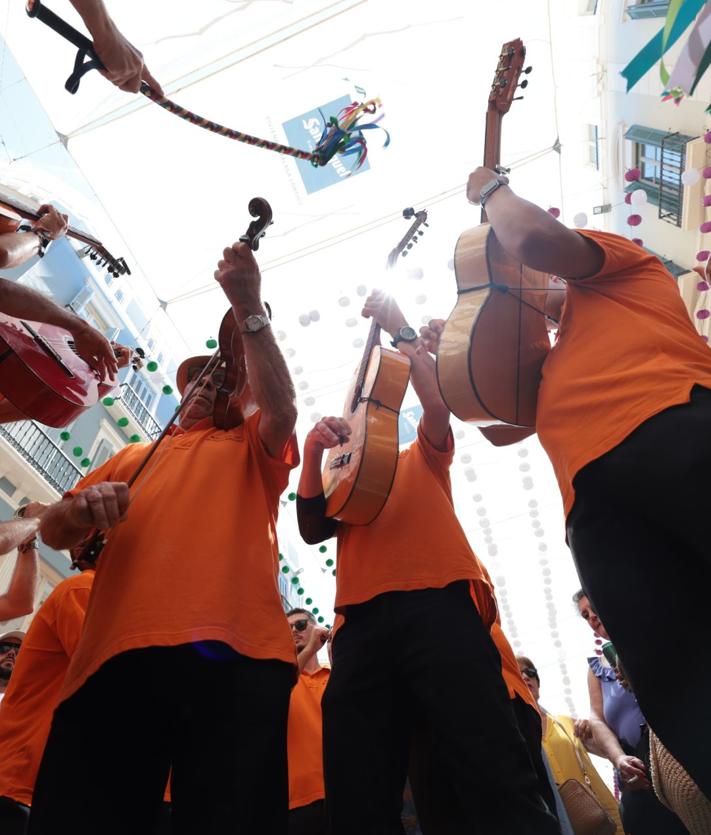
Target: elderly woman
(565,752)
(617,731)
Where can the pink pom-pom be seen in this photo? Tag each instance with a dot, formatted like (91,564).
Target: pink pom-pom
(634,220)
(628,198)
(638,241)
(707,200)
(707,137)
(554,212)
(705,338)
(632,174)
(705,227)
(703,313)
(703,255)
(702,286)
(707,172)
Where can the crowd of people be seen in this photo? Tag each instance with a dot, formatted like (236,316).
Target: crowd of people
(163,689)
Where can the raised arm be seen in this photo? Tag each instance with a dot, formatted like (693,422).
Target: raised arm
(533,236)
(269,379)
(314,525)
(435,414)
(18,247)
(123,62)
(19,599)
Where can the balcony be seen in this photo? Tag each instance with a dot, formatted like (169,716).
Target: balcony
(647,8)
(42,454)
(138,420)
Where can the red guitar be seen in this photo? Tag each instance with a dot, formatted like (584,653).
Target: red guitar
(42,377)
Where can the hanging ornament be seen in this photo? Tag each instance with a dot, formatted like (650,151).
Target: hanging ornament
(85,462)
(151,366)
(634,220)
(122,421)
(292,497)
(628,198)
(703,255)
(211,344)
(703,313)
(632,174)
(108,401)
(65,436)
(705,227)
(580,220)
(639,197)
(77,451)
(690,177)
(134,439)
(638,241)
(322,549)
(167,389)
(553,211)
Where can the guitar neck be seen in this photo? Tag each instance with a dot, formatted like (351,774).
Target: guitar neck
(492,144)
(72,232)
(371,342)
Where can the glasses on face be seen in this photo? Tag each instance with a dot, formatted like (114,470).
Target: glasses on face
(531,672)
(299,625)
(6,646)
(217,376)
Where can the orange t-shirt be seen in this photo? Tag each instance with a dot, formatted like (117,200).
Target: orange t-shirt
(32,694)
(626,351)
(196,558)
(305,739)
(416,542)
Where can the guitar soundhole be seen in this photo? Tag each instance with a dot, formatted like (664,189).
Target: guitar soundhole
(341,461)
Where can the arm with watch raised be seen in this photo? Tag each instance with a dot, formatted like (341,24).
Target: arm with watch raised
(269,380)
(435,414)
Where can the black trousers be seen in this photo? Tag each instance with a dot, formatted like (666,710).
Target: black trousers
(423,659)
(217,718)
(14,817)
(639,533)
(308,820)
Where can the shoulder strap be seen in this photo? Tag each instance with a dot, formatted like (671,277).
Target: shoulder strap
(573,742)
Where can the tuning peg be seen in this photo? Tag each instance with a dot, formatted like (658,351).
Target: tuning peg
(517,98)
(528,70)
(523,84)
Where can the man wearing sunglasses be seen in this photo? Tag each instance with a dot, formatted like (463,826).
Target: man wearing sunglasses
(10,644)
(185,661)
(306,791)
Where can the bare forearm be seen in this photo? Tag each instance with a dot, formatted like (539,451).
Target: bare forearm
(534,237)
(24,303)
(435,414)
(17,247)
(93,13)
(311,482)
(15,531)
(19,599)
(604,741)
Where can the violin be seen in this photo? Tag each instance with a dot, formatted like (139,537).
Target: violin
(229,356)
(495,340)
(358,475)
(14,211)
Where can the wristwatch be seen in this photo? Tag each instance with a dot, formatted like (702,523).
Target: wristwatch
(44,241)
(405,334)
(490,188)
(254,323)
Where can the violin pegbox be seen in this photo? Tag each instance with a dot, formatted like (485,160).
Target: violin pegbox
(506,77)
(260,209)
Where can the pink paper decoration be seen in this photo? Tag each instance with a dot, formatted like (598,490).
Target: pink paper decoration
(707,172)
(707,200)
(635,220)
(554,212)
(632,174)
(638,241)
(703,255)
(707,137)
(705,227)
(628,198)
(705,338)
(703,313)
(702,286)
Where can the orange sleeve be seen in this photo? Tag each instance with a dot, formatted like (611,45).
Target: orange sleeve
(438,460)
(71,611)
(620,256)
(277,469)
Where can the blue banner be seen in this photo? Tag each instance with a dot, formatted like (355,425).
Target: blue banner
(407,424)
(304,132)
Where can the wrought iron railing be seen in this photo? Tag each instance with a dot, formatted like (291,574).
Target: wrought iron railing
(137,407)
(42,454)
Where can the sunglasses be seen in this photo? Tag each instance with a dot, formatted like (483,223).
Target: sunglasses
(217,376)
(299,625)
(531,672)
(6,647)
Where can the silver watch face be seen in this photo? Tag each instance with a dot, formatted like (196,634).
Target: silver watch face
(407,334)
(255,322)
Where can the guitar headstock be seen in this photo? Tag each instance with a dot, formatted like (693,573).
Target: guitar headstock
(412,236)
(506,78)
(103,258)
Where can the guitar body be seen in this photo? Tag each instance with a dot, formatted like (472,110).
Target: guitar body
(358,476)
(495,340)
(42,377)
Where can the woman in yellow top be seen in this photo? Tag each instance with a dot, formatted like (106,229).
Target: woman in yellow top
(565,751)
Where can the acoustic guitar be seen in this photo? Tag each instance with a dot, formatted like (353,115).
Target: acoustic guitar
(359,474)
(43,378)
(495,340)
(13,210)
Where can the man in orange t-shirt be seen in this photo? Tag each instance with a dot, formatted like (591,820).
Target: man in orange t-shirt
(306,791)
(413,650)
(185,662)
(624,410)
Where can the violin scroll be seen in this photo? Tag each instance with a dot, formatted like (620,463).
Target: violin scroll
(262,211)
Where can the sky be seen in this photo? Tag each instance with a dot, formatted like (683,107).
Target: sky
(171,196)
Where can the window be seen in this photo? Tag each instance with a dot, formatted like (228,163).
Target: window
(142,389)
(661,158)
(102,453)
(118,295)
(593,156)
(589,7)
(640,9)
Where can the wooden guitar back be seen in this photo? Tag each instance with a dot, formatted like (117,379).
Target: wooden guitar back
(358,476)
(495,340)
